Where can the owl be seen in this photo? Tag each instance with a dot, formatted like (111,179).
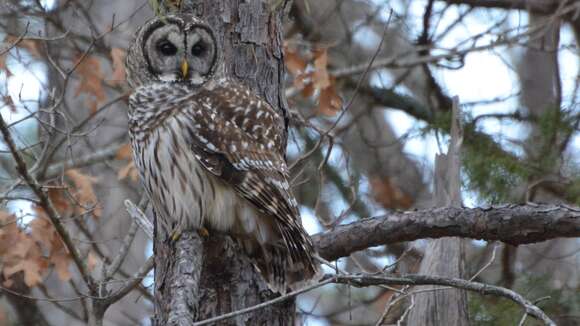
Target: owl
(210,152)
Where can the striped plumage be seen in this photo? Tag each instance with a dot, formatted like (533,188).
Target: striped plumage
(211,153)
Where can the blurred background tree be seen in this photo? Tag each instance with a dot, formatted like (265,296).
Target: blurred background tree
(369,88)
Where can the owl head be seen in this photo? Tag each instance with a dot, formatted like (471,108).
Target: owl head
(173,49)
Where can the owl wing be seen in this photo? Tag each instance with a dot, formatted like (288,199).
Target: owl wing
(238,137)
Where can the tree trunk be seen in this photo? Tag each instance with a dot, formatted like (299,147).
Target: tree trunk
(446,256)
(199,278)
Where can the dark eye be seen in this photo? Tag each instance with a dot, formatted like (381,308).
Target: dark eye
(198,49)
(166,48)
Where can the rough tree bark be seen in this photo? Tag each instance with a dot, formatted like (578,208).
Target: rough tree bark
(513,224)
(250,38)
(446,256)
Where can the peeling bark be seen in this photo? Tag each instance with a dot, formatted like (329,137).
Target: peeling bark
(445,257)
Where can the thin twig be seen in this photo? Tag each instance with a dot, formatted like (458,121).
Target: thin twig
(118,260)
(264,304)
(366,280)
(18,40)
(100,155)
(29,297)
(406,312)
(362,77)
(481,288)
(410,60)
(131,283)
(491,260)
(120,257)
(45,203)
(139,217)
(394,299)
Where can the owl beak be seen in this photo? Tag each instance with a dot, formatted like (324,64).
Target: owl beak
(184,69)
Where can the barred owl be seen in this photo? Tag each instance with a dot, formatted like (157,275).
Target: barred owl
(210,152)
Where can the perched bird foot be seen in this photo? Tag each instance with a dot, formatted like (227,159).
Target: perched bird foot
(175,235)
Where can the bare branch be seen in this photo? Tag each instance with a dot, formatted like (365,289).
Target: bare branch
(366,280)
(536,6)
(513,224)
(100,155)
(481,288)
(18,40)
(140,218)
(45,203)
(120,257)
(131,284)
(265,304)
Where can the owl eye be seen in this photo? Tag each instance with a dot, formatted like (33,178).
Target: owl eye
(198,49)
(166,48)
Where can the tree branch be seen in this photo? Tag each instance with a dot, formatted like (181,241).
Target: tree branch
(366,280)
(46,204)
(177,280)
(131,283)
(536,6)
(100,155)
(513,224)
(481,288)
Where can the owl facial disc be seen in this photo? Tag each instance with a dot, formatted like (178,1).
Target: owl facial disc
(179,51)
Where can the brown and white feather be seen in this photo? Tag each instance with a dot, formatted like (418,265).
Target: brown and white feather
(209,151)
(213,156)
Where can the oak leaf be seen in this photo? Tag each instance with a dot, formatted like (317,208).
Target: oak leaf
(9,232)
(388,194)
(302,81)
(85,193)
(3,65)
(329,102)
(320,77)
(22,247)
(89,70)
(295,64)
(118,58)
(5,217)
(30,45)
(8,282)
(130,171)
(92,261)
(60,258)
(61,263)
(124,153)
(42,231)
(32,271)
(7,100)
(59,200)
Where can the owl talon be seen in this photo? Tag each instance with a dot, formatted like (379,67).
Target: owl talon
(175,235)
(203,232)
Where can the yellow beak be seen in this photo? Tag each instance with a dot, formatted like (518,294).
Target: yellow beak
(184,69)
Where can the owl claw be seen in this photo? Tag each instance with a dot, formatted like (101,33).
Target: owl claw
(175,235)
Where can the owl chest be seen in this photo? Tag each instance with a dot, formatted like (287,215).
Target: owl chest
(183,193)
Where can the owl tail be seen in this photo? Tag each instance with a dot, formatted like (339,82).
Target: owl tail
(282,272)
